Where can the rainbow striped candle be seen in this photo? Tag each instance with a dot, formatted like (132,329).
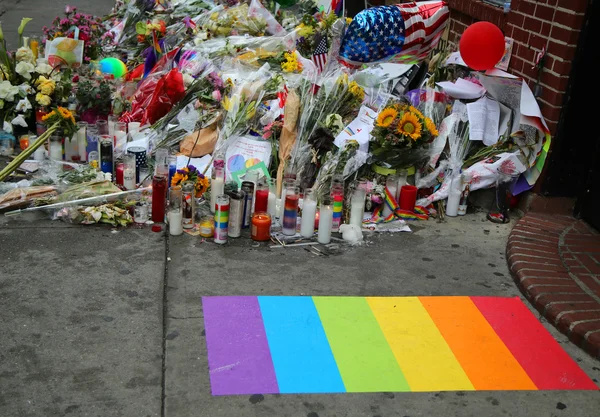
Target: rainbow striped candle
(338,206)
(381,344)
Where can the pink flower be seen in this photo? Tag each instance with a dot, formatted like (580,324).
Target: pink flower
(76,79)
(68,9)
(77,16)
(216,95)
(64,22)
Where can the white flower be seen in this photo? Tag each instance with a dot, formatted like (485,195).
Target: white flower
(8,91)
(25,69)
(43,68)
(19,120)
(7,127)
(24,105)
(187,80)
(26,89)
(25,55)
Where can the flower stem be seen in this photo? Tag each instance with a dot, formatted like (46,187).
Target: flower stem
(19,159)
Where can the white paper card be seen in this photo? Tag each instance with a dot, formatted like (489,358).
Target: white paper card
(484,117)
(359,130)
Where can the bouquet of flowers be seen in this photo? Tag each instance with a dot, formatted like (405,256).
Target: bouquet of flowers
(190,173)
(91,31)
(94,94)
(401,136)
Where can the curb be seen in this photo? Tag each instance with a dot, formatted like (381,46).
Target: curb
(555,262)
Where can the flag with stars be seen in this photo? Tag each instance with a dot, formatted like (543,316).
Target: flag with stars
(404,33)
(320,54)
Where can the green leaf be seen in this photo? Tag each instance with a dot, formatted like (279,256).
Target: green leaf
(24,22)
(140,28)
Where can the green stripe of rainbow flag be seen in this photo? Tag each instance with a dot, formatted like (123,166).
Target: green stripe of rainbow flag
(381,344)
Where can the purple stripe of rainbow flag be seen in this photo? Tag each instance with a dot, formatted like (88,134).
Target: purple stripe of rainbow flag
(378,344)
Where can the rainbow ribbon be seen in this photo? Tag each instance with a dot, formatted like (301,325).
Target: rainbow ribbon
(419,213)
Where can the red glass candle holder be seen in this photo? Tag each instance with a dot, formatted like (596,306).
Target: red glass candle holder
(408,197)
(261,226)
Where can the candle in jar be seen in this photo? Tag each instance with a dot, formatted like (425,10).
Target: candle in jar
(272,204)
(129,172)
(120,139)
(391,184)
(408,197)
(309,212)
(217,186)
(325,223)
(159,197)
(119,173)
(290,211)
(56,149)
(82,140)
(175,218)
(262,200)
(34,46)
(207,226)
(261,226)
(357,208)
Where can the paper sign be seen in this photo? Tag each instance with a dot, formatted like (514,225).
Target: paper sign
(247,151)
(199,163)
(237,175)
(503,64)
(484,118)
(359,130)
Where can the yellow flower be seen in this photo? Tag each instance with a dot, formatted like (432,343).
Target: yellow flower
(291,63)
(201,186)
(94,164)
(47,116)
(42,99)
(409,125)
(304,30)
(386,117)
(66,114)
(429,125)
(227,104)
(356,90)
(416,111)
(348,20)
(45,86)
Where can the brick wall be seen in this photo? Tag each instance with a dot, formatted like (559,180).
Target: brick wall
(532,24)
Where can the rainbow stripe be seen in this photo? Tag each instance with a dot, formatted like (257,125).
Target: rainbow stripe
(381,344)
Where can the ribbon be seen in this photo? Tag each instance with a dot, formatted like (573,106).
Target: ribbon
(419,213)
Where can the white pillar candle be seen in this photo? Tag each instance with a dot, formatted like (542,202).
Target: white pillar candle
(325,223)
(111,127)
(175,218)
(81,144)
(120,139)
(272,205)
(357,210)
(453,197)
(217,187)
(56,150)
(129,178)
(71,148)
(309,211)
(133,128)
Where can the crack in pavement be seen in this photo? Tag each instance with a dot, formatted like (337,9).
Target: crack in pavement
(164,325)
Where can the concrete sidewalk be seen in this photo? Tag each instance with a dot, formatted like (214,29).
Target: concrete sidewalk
(85,332)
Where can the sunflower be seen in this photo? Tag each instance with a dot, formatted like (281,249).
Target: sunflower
(429,125)
(386,117)
(416,111)
(409,125)
(179,177)
(202,184)
(66,114)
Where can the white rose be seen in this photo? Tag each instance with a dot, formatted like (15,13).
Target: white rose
(19,120)
(43,68)
(25,55)
(25,69)
(24,105)
(8,91)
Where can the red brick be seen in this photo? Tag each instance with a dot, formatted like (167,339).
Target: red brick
(589,248)
(554,219)
(540,227)
(551,2)
(578,239)
(539,235)
(591,283)
(561,67)
(579,331)
(534,25)
(555,81)
(527,282)
(520,35)
(569,36)
(516,63)
(578,270)
(515,18)
(552,311)
(521,247)
(540,290)
(525,259)
(552,125)
(552,112)
(575,5)
(545,299)
(526,7)
(555,98)
(592,344)
(545,32)
(522,274)
(566,320)
(566,52)
(544,12)
(590,263)
(537,239)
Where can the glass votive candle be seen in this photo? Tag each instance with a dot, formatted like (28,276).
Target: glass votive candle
(24,141)
(261,226)
(207,226)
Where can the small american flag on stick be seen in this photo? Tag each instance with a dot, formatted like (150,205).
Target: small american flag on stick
(320,54)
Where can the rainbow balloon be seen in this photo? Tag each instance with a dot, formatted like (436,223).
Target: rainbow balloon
(113,66)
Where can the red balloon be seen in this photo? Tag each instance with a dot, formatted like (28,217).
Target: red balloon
(482,45)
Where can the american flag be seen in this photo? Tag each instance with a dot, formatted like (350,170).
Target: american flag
(403,33)
(320,54)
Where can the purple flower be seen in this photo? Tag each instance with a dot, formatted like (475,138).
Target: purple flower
(192,168)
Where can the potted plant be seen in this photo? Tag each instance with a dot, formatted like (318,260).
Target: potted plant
(94,99)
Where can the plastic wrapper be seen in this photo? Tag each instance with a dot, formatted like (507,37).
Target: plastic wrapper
(111,214)
(25,196)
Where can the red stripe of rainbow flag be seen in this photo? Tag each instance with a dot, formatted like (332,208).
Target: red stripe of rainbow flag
(381,344)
